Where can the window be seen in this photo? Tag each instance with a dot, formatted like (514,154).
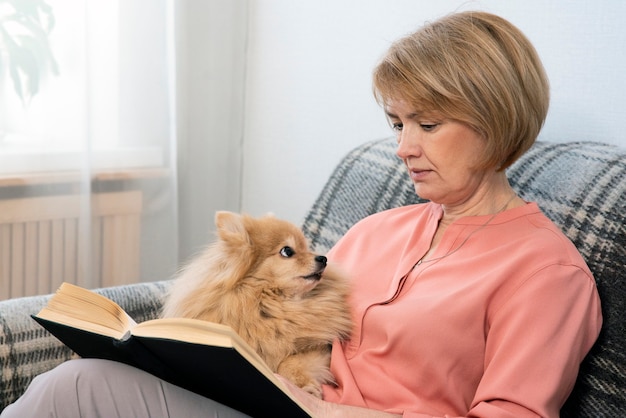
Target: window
(108,104)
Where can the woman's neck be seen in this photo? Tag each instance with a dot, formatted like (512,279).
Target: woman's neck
(492,197)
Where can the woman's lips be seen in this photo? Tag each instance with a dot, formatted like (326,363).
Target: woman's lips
(418,174)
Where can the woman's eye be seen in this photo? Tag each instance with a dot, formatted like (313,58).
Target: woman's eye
(287,252)
(428,126)
(396,127)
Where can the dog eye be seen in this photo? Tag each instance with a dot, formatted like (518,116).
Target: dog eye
(287,252)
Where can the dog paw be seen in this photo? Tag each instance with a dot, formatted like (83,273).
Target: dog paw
(308,370)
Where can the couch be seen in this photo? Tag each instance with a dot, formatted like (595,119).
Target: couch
(580,185)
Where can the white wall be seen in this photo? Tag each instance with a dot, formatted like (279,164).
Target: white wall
(210,54)
(308,96)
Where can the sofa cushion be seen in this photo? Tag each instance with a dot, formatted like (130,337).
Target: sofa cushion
(368,180)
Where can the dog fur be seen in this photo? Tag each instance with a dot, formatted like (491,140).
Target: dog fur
(260,278)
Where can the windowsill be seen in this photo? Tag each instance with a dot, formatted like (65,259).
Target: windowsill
(20,168)
(15,160)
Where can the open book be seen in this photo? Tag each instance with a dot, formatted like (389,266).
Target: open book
(207,358)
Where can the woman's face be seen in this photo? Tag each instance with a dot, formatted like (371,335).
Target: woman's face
(442,155)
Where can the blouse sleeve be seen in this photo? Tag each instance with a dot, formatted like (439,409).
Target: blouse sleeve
(535,343)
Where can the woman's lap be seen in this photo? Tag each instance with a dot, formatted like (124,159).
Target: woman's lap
(102,388)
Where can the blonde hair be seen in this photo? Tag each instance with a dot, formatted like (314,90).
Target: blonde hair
(476,68)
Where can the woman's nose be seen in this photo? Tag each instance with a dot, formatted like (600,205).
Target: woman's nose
(408,143)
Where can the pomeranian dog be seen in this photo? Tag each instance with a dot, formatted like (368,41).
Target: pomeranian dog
(260,278)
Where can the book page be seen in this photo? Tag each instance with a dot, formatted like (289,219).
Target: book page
(81,308)
(186,329)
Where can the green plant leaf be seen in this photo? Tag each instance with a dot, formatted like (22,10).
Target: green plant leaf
(24,29)
(24,70)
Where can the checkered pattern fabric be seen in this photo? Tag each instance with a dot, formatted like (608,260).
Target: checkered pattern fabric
(580,186)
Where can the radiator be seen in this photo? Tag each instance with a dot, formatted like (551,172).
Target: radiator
(92,242)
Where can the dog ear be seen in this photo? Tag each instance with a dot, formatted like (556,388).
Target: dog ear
(230,224)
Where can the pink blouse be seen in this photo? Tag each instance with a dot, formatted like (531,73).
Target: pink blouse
(495,328)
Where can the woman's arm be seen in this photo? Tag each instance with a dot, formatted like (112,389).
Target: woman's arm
(535,344)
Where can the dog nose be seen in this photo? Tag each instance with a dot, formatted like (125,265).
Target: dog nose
(321,259)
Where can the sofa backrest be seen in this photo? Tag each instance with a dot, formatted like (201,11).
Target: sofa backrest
(581,186)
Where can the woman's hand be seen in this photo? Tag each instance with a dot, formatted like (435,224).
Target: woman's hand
(323,409)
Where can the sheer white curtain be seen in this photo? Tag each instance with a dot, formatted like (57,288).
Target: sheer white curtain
(87,144)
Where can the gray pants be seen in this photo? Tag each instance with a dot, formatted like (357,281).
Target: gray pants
(101,388)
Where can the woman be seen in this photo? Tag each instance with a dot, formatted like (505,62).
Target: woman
(473,304)
(476,305)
